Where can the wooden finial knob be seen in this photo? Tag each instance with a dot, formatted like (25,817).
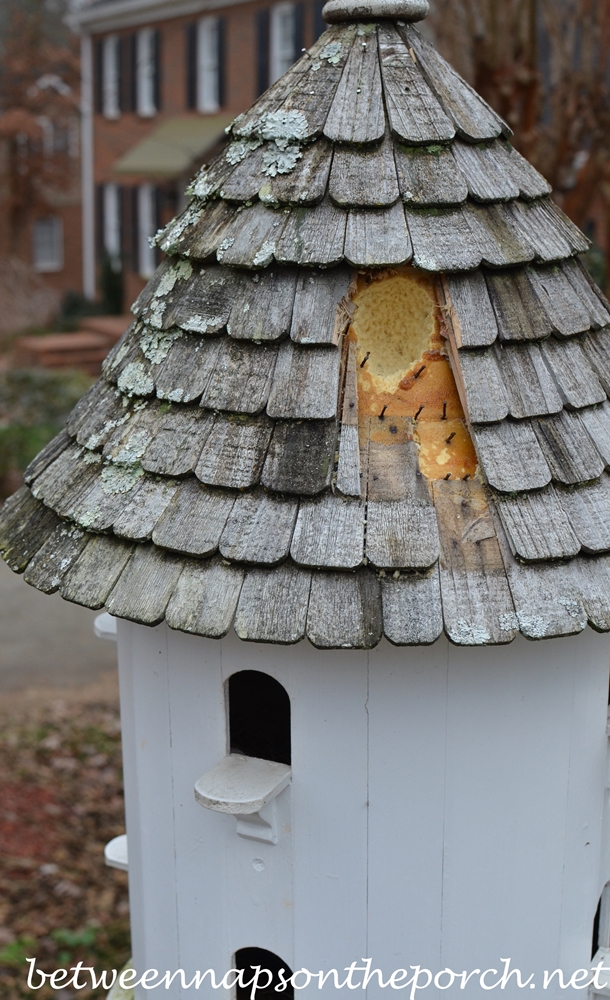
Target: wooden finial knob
(375,10)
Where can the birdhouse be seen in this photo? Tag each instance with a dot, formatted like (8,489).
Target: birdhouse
(338,481)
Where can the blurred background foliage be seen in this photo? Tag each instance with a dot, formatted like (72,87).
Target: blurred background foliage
(34,405)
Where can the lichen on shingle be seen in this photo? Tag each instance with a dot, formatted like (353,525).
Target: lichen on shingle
(135,380)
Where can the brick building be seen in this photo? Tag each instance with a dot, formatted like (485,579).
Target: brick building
(40,197)
(161,81)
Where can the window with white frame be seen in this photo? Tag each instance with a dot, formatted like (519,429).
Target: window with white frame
(208,64)
(147,227)
(146,72)
(112,224)
(283,33)
(48,244)
(111,77)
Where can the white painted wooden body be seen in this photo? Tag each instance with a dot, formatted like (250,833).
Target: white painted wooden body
(448,808)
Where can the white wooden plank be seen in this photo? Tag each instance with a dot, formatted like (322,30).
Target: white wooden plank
(338,884)
(149,789)
(495,757)
(406,701)
(195,699)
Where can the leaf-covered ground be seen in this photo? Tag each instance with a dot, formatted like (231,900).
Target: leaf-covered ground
(61,801)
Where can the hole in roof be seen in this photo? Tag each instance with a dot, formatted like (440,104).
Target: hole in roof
(404,371)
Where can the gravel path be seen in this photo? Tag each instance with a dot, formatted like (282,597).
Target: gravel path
(47,642)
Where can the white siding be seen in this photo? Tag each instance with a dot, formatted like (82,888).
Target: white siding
(446,807)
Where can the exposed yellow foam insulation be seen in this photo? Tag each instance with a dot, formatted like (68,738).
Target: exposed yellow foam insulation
(403,369)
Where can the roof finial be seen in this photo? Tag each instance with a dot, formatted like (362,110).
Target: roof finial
(375,10)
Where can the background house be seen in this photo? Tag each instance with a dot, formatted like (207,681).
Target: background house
(161,81)
(40,216)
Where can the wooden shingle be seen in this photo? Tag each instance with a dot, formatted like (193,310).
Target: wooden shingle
(357,112)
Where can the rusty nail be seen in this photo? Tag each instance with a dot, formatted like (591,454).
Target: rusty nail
(444,416)
(419,411)
(447,477)
(422,369)
(450,438)
(382,414)
(467,477)
(362,364)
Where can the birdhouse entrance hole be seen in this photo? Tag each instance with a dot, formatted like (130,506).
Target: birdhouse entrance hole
(248,959)
(601,925)
(259,717)
(406,387)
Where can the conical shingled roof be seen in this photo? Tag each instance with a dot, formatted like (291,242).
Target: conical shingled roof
(225,471)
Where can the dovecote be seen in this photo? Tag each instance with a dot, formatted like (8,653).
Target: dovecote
(363,409)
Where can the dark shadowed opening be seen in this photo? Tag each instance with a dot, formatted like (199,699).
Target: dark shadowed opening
(247,959)
(259,717)
(595,941)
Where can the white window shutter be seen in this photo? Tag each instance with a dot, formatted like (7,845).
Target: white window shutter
(112,224)
(147,227)
(111,77)
(208,65)
(145,73)
(283,29)
(48,244)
